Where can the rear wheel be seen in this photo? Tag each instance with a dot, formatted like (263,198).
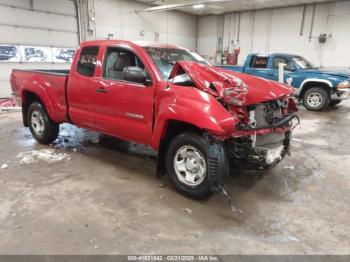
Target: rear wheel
(187,165)
(43,129)
(334,102)
(316,99)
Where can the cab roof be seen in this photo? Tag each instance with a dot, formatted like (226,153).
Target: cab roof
(273,54)
(132,43)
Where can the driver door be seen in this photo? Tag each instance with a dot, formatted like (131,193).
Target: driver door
(124,108)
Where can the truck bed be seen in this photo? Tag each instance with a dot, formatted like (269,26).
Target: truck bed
(236,68)
(49,85)
(47,71)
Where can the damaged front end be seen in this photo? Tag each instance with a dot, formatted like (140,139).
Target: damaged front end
(264,111)
(263,137)
(253,119)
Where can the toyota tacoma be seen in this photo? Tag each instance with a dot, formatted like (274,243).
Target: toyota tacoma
(204,121)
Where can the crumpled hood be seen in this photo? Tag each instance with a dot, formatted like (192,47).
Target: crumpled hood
(335,72)
(258,89)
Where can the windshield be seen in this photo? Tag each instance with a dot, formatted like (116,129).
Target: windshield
(303,63)
(166,58)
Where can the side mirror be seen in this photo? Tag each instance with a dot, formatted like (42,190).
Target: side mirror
(136,74)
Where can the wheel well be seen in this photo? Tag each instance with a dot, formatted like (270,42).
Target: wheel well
(27,100)
(309,85)
(173,128)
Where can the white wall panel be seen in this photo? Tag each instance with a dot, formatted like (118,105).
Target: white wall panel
(261,27)
(17,3)
(207,35)
(65,7)
(46,23)
(337,51)
(40,20)
(278,30)
(246,33)
(119,18)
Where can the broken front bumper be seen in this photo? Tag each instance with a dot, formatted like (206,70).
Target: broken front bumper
(257,153)
(262,146)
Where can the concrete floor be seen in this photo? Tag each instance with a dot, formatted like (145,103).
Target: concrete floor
(100,200)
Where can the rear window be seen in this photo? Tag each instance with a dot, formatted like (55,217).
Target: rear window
(87,61)
(259,62)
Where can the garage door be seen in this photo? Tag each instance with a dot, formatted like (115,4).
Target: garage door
(34,34)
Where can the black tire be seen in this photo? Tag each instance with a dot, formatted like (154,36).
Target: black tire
(334,102)
(202,190)
(49,130)
(316,92)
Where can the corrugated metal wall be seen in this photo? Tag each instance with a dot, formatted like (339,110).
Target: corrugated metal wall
(36,23)
(283,30)
(122,19)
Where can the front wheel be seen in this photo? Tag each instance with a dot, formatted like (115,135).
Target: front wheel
(43,129)
(316,99)
(187,164)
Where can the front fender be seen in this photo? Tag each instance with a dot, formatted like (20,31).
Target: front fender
(307,80)
(194,107)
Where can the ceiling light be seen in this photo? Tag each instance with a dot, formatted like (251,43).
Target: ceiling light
(199,6)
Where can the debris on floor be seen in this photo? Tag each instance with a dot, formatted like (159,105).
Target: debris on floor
(8,104)
(289,167)
(319,174)
(297,140)
(4,166)
(47,155)
(17,227)
(188,210)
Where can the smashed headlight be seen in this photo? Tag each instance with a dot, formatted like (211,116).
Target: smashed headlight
(235,95)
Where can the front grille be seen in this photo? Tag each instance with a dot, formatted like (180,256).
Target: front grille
(265,114)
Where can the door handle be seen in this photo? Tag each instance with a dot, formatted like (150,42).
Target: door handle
(101,90)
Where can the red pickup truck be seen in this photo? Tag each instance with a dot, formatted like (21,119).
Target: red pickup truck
(203,120)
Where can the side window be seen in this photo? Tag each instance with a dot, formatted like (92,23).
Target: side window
(259,62)
(277,60)
(118,59)
(87,61)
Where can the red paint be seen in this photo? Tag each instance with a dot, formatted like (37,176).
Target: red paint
(151,107)
(7,102)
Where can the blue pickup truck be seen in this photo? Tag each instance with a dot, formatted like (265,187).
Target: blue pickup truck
(314,87)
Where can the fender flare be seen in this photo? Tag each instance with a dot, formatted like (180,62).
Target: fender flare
(317,80)
(43,96)
(161,129)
